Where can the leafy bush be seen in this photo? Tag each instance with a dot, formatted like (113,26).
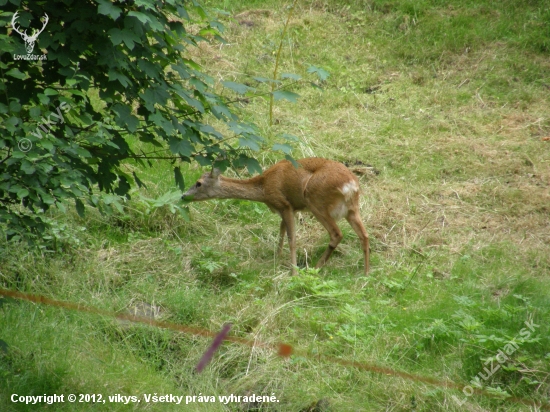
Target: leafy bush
(113,73)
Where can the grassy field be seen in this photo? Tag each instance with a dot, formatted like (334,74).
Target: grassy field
(447,102)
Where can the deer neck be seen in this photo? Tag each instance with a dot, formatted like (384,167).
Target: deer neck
(247,189)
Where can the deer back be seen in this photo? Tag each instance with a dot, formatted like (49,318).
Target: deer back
(318,184)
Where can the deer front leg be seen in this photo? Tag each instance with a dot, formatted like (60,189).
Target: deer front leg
(288,220)
(282,232)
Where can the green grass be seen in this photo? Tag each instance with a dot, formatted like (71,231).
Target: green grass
(449,102)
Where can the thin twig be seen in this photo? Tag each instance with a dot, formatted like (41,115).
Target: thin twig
(277,59)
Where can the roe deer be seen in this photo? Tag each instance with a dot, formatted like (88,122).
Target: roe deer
(324,187)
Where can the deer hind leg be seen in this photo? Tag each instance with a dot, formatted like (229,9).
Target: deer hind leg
(288,222)
(334,232)
(354,219)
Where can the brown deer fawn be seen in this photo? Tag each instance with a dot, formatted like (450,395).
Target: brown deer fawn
(324,187)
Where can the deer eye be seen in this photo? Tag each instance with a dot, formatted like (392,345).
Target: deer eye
(199,184)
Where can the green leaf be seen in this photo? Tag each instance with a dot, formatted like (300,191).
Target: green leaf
(61,207)
(48,199)
(321,73)
(22,193)
(282,147)
(244,142)
(79,207)
(240,128)
(290,137)
(237,87)
(146,4)
(192,102)
(114,75)
(14,188)
(115,36)
(16,73)
(162,122)
(11,123)
(200,11)
(155,25)
(46,144)
(182,147)
(184,212)
(128,37)
(154,95)
(206,128)
(253,166)
(43,98)
(198,84)
(222,112)
(35,112)
(27,167)
(142,17)
(266,80)
(108,9)
(285,94)
(208,31)
(125,117)
(217,25)
(85,118)
(290,76)
(292,160)
(151,69)
(194,65)
(15,106)
(179,178)
(118,206)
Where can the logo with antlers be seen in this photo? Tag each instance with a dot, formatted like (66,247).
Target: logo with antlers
(29,40)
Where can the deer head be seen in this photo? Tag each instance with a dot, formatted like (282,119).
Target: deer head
(207,187)
(29,40)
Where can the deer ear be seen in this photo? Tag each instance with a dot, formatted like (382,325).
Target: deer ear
(215,172)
